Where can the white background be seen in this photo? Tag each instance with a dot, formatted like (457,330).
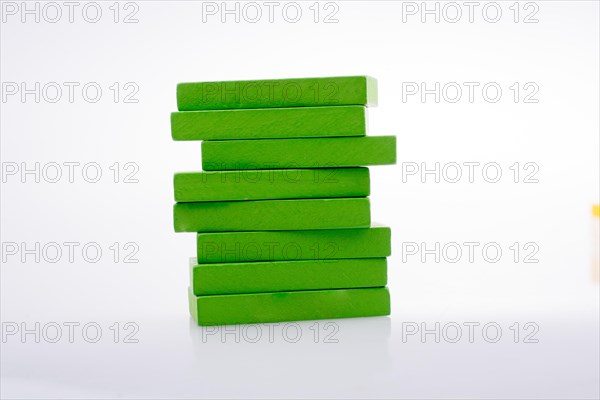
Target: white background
(170,43)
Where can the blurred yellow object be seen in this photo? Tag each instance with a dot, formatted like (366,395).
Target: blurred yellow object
(596,243)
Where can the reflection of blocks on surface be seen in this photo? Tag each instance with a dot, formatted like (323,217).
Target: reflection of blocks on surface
(281,210)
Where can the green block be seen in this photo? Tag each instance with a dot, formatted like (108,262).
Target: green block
(269,123)
(272,215)
(322,244)
(298,153)
(302,92)
(282,276)
(271,184)
(288,306)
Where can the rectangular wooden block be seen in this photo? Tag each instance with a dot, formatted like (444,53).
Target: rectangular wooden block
(272,215)
(271,184)
(299,92)
(298,153)
(288,306)
(322,244)
(283,276)
(269,123)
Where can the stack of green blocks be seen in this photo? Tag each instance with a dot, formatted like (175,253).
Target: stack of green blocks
(281,210)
